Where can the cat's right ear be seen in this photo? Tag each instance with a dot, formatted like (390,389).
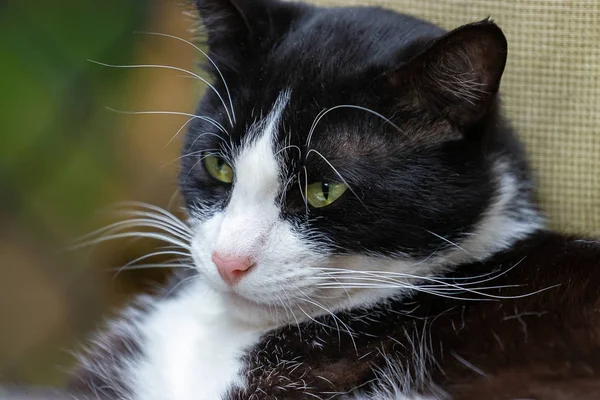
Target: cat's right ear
(238,30)
(458,75)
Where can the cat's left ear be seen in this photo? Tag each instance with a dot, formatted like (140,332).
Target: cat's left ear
(459,74)
(238,30)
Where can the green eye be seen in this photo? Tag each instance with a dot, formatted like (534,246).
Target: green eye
(321,194)
(218,168)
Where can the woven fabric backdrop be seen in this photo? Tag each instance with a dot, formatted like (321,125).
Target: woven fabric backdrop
(551,92)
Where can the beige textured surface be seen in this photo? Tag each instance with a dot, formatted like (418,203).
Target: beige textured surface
(551,92)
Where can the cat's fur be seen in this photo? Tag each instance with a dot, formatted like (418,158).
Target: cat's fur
(431,276)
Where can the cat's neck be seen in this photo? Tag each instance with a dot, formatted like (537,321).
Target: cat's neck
(511,217)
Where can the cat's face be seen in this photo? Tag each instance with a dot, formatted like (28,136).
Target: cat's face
(346,154)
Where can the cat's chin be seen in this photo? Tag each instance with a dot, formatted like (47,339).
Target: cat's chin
(253,312)
(273,314)
(270,314)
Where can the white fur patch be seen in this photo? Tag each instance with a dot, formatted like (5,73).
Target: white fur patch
(250,226)
(193,348)
(252,209)
(498,230)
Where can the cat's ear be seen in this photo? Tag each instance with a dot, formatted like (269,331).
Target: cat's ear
(458,75)
(238,29)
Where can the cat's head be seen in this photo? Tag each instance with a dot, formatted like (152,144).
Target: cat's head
(344,151)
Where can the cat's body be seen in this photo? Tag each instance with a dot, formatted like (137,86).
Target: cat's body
(485,345)
(362,225)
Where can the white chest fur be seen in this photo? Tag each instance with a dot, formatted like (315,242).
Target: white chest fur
(193,348)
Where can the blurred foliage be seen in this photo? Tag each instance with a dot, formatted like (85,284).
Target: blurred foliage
(63,157)
(55,148)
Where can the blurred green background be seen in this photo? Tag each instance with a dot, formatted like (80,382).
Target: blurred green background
(64,157)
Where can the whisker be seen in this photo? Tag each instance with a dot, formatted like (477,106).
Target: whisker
(291,146)
(158,253)
(314,124)
(292,311)
(363,281)
(192,116)
(315,320)
(151,222)
(440,280)
(205,55)
(158,66)
(151,266)
(415,288)
(172,199)
(326,111)
(190,119)
(447,241)
(336,319)
(211,134)
(159,210)
(320,278)
(183,281)
(419,288)
(338,174)
(168,219)
(381,276)
(124,225)
(209,152)
(150,235)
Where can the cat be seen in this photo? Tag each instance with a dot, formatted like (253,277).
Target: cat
(362,225)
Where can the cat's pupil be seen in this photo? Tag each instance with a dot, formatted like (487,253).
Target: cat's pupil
(220,163)
(325,189)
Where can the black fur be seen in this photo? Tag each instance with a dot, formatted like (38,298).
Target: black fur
(433,174)
(477,345)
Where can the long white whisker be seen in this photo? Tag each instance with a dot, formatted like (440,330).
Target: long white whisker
(439,280)
(364,281)
(128,224)
(335,279)
(211,134)
(151,266)
(436,292)
(168,219)
(158,253)
(150,223)
(410,287)
(183,281)
(448,241)
(315,320)
(292,311)
(159,210)
(415,277)
(335,317)
(291,146)
(158,66)
(190,119)
(150,235)
(205,55)
(327,111)
(314,124)
(192,116)
(338,174)
(209,152)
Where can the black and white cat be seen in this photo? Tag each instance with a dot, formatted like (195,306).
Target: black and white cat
(361,223)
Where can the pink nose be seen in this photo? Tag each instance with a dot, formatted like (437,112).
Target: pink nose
(231,269)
